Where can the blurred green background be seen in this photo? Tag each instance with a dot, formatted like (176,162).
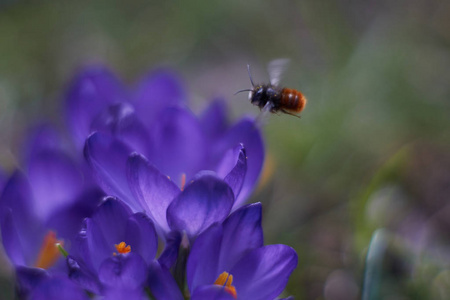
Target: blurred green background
(370,151)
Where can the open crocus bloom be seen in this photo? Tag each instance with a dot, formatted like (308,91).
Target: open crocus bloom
(205,199)
(154,121)
(229,261)
(114,249)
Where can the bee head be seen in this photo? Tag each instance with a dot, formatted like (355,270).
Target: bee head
(257,96)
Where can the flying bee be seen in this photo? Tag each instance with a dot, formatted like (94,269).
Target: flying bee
(272,98)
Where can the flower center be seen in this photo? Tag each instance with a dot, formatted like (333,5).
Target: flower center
(49,252)
(122,248)
(225,279)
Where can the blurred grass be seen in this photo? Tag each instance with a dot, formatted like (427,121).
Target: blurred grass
(375,73)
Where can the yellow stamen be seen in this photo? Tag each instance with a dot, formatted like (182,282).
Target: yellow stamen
(123,248)
(222,279)
(49,252)
(225,279)
(183,181)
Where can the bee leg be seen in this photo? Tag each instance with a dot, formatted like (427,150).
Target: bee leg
(289,113)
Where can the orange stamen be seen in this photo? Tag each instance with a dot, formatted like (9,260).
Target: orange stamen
(49,252)
(123,248)
(183,181)
(225,279)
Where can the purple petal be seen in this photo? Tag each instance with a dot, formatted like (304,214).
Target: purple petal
(157,90)
(170,254)
(67,221)
(211,292)
(203,202)
(11,239)
(109,223)
(83,276)
(55,288)
(153,190)
(91,91)
(42,137)
(97,248)
(120,121)
(162,285)
(214,119)
(115,293)
(242,232)
(141,236)
(107,157)
(178,144)
(233,168)
(203,261)
(264,272)
(55,181)
(22,232)
(249,135)
(28,279)
(102,232)
(123,271)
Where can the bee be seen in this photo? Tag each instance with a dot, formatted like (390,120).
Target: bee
(272,98)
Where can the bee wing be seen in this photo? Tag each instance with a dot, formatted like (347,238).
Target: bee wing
(276,68)
(262,118)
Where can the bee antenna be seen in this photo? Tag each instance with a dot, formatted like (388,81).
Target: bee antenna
(246,90)
(250,75)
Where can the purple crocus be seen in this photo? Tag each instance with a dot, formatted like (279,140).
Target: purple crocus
(115,251)
(41,206)
(153,121)
(229,261)
(207,199)
(169,176)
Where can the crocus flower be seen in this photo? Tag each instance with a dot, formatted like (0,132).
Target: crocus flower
(205,200)
(40,207)
(153,120)
(114,251)
(229,261)
(168,174)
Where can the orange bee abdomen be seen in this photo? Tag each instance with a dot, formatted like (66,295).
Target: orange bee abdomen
(292,100)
